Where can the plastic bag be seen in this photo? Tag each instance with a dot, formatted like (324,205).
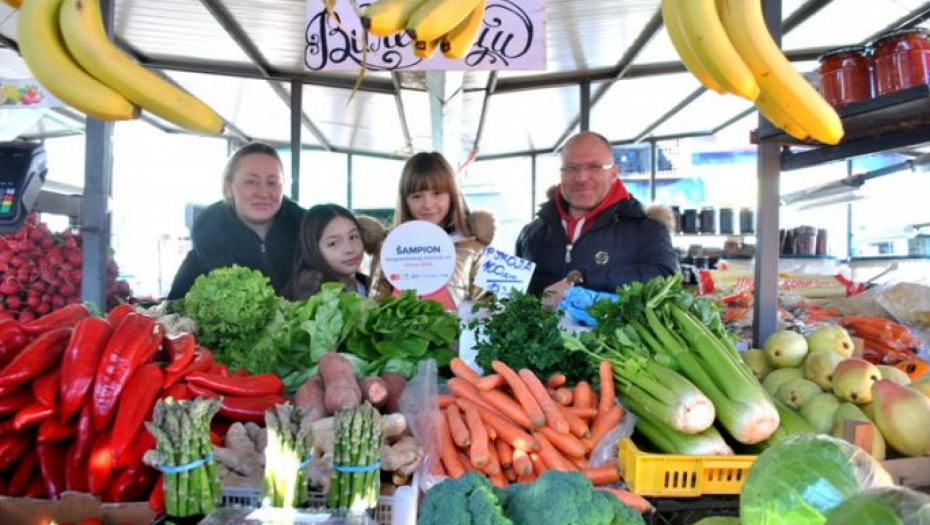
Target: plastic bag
(576,301)
(606,450)
(420,405)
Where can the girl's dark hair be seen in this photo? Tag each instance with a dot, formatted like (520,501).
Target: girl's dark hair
(310,268)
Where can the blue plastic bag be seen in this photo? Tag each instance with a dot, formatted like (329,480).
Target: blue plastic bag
(576,301)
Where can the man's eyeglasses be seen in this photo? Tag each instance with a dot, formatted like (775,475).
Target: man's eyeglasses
(575,169)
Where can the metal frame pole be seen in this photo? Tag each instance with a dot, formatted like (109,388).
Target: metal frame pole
(532,186)
(585,114)
(653,169)
(297,101)
(349,170)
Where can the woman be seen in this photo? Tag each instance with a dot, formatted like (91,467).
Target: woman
(254,226)
(429,192)
(332,245)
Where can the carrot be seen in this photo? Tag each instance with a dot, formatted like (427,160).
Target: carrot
(629,499)
(506,406)
(463,371)
(464,390)
(556,380)
(480,450)
(499,480)
(583,413)
(447,451)
(504,453)
(606,421)
(602,475)
(563,396)
(550,408)
(606,375)
(511,475)
(552,457)
(528,478)
(588,444)
(490,382)
(466,462)
(512,434)
(494,463)
(580,463)
(577,425)
(460,434)
(521,393)
(437,469)
(582,396)
(539,466)
(567,444)
(522,464)
(445,401)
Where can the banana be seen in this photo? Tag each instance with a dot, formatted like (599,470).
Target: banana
(15,4)
(673,28)
(745,25)
(81,24)
(386,17)
(41,47)
(456,43)
(703,30)
(425,50)
(434,18)
(772,111)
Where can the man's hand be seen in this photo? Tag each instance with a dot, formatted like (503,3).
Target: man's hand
(553,293)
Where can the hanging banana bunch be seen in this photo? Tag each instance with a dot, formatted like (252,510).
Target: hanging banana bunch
(448,25)
(68,51)
(727,46)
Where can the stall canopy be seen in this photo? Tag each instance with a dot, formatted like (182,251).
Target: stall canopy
(613,56)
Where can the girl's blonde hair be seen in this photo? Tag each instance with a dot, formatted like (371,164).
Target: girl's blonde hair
(432,172)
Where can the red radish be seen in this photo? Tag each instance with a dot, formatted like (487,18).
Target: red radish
(9,286)
(16,261)
(26,315)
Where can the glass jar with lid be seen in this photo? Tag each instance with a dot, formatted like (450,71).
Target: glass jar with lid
(901,60)
(845,75)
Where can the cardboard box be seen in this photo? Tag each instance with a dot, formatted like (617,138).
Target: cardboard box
(72,507)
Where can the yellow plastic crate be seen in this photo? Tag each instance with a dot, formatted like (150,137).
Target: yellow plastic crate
(670,476)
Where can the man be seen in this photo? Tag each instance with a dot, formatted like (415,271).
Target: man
(592,230)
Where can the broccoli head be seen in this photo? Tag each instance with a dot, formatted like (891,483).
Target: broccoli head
(467,500)
(558,498)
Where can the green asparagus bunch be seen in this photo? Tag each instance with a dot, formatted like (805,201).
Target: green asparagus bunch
(182,437)
(356,479)
(290,443)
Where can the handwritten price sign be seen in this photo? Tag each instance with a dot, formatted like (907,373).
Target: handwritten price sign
(501,273)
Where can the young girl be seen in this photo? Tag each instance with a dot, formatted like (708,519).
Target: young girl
(330,249)
(428,192)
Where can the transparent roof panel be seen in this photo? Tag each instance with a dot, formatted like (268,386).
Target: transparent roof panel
(417,111)
(704,114)
(630,106)
(848,22)
(370,123)
(527,120)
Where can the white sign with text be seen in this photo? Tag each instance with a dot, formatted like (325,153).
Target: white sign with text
(419,256)
(501,273)
(513,36)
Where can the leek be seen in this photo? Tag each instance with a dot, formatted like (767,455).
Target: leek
(706,443)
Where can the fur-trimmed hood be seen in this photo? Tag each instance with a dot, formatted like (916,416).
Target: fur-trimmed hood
(482,225)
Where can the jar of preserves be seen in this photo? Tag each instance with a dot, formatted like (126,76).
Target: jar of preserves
(901,60)
(845,75)
(708,220)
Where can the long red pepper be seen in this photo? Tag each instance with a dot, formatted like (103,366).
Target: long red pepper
(117,365)
(136,406)
(80,361)
(15,401)
(54,430)
(147,352)
(101,463)
(248,408)
(12,447)
(45,388)
(12,340)
(51,460)
(134,454)
(7,426)
(84,434)
(75,472)
(62,318)
(130,483)
(40,355)
(202,361)
(36,488)
(33,415)
(256,385)
(26,465)
(178,392)
(119,312)
(203,392)
(181,349)
(157,497)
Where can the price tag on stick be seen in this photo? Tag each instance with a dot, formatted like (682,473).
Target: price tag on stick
(500,272)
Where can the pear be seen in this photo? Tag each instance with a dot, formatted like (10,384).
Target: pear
(853,378)
(922,385)
(892,373)
(780,376)
(903,416)
(869,410)
(832,338)
(819,367)
(797,391)
(785,349)
(849,411)
(757,362)
(818,412)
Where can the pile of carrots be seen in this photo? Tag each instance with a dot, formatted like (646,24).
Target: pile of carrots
(886,341)
(512,426)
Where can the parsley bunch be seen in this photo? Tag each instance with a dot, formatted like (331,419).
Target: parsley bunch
(524,334)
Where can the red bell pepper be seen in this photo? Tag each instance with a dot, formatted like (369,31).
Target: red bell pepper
(256,385)
(39,356)
(23,473)
(12,340)
(203,359)
(36,487)
(51,460)
(45,387)
(14,402)
(138,399)
(12,446)
(119,312)
(119,362)
(75,471)
(101,463)
(157,497)
(144,442)
(80,361)
(248,408)
(54,430)
(178,392)
(181,350)
(65,317)
(33,415)
(200,391)
(130,484)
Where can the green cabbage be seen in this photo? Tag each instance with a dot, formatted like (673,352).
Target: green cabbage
(801,479)
(888,506)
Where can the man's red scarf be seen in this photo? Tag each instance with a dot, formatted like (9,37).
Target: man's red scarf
(576,226)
